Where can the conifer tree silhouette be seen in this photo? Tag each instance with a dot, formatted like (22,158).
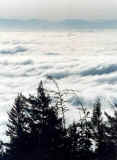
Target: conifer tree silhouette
(37,131)
(111,131)
(35,128)
(18,129)
(80,135)
(100,136)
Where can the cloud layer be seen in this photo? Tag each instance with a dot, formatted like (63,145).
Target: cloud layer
(84,61)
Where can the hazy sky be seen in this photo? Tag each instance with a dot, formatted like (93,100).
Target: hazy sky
(59,9)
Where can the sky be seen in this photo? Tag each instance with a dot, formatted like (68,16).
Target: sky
(58,9)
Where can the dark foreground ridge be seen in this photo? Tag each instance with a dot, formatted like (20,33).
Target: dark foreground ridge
(37,131)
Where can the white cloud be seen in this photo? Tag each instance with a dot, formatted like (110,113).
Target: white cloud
(17,49)
(84,61)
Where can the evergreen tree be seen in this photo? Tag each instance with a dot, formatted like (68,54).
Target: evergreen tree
(111,131)
(17,129)
(80,136)
(35,128)
(100,136)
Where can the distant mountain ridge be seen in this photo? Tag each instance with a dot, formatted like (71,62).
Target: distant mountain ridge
(35,24)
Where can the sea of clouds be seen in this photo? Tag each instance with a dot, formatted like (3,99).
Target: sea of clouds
(82,61)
